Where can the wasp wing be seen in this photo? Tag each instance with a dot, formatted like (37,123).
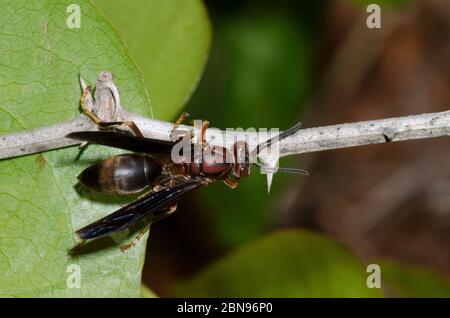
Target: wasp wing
(137,210)
(124,141)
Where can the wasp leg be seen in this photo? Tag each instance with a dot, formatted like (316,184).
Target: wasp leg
(203,132)
(178,122)
(133,243)
(231,183)
(152,220)
(167,182)
(166,212)
(172,180)
(131,124)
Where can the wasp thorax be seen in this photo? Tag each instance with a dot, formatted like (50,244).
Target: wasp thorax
(242,159)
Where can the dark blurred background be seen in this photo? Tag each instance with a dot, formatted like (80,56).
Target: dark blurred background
(274,63)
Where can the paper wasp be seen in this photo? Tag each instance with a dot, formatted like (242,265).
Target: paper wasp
(150,167)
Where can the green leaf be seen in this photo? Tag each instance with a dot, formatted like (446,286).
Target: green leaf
(169,40)
(289,263)
(147,292)
(40,204)
(413,281)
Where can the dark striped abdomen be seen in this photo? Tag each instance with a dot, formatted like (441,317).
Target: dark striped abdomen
(123,174)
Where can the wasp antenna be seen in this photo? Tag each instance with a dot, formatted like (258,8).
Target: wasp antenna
(279,137)
(281,169)
(292,170)
(290,131)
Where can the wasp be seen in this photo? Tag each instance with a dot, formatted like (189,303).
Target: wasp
(150,169)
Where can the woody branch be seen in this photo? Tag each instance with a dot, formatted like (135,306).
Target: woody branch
(304,141)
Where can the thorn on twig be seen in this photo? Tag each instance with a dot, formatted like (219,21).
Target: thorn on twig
(388,134)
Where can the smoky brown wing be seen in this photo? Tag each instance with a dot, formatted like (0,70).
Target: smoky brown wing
(137,210)
(124,141)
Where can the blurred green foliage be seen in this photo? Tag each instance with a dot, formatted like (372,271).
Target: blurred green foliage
(413,281)
(259,75)
(169,41)
(288,263)
(146,292)
(396,4)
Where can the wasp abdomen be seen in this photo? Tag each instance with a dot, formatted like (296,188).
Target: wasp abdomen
(122,174)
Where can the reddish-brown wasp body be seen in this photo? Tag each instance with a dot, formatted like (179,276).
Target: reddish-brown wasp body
(151,167)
